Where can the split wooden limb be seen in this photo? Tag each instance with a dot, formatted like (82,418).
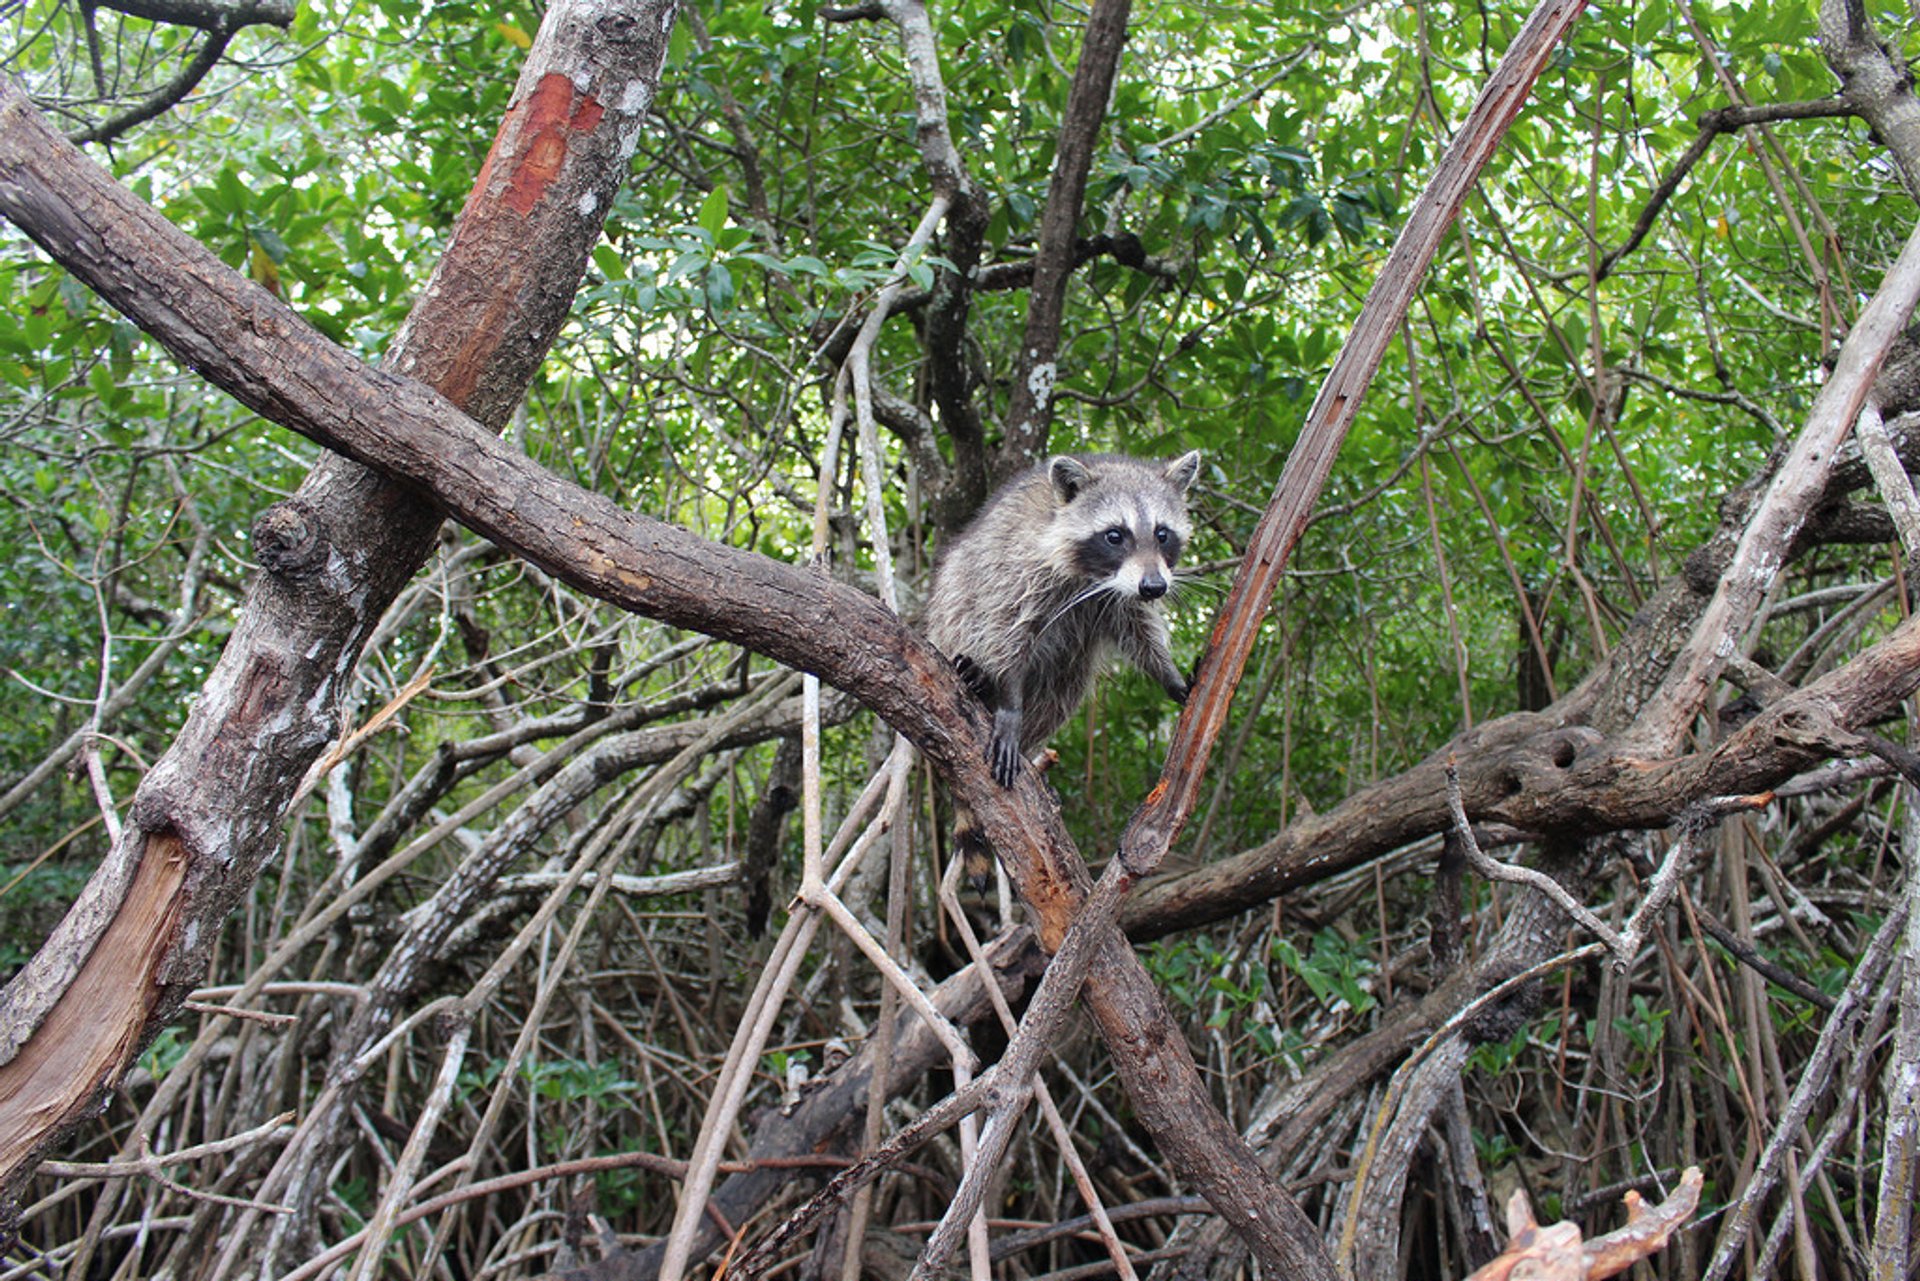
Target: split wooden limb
(1625,942)
(1151,833)
(1556,1253)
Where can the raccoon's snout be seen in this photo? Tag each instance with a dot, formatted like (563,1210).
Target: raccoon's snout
(1152,586)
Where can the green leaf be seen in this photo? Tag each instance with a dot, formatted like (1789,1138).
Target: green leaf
(719,287)
(713,211)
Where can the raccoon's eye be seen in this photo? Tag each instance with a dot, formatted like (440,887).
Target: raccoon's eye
(1116,536)
(1162,535)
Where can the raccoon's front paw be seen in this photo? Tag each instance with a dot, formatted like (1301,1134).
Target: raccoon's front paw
(1004,752)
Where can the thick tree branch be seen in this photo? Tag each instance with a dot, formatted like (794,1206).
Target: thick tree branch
(1538,775)
(1030,414)
(1875,81)
(1802,478)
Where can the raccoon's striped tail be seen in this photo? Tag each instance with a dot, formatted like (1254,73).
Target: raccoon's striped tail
(970,843)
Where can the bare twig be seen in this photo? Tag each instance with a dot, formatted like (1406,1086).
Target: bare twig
(817,893)
(1712,125)
(152,1163)
(164,99)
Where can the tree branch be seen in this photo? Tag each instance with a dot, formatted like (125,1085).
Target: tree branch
(166,98)
(1030,414)
(1712,125)
(225,16)
(1875,82)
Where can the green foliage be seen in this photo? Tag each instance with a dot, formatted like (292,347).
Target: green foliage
(571,1080)
(1498,1057)
(167,1050)
(1335,971)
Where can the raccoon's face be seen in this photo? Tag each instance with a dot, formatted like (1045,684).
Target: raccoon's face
(1126,521)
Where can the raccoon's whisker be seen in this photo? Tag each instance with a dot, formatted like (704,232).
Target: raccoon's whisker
(1181,582)
(1087,593)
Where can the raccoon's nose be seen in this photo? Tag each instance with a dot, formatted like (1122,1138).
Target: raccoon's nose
(1153,586)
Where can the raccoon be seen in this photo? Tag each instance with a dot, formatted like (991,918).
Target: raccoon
(1064,566)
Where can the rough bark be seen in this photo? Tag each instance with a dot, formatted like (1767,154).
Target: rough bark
(1545,779)
(1875,82)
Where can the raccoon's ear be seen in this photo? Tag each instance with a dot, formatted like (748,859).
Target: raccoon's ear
(1183,469)
(1069,476)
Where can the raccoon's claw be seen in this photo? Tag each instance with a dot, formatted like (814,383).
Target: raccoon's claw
(1006,764)
(1004,753)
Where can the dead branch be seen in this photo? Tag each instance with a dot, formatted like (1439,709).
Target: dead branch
(1556,1253)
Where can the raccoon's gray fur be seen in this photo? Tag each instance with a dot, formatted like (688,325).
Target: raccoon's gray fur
(1063,567)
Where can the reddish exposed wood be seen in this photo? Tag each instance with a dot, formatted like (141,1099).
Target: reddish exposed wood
(1556,1253)
(545,116)
(95,1029)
